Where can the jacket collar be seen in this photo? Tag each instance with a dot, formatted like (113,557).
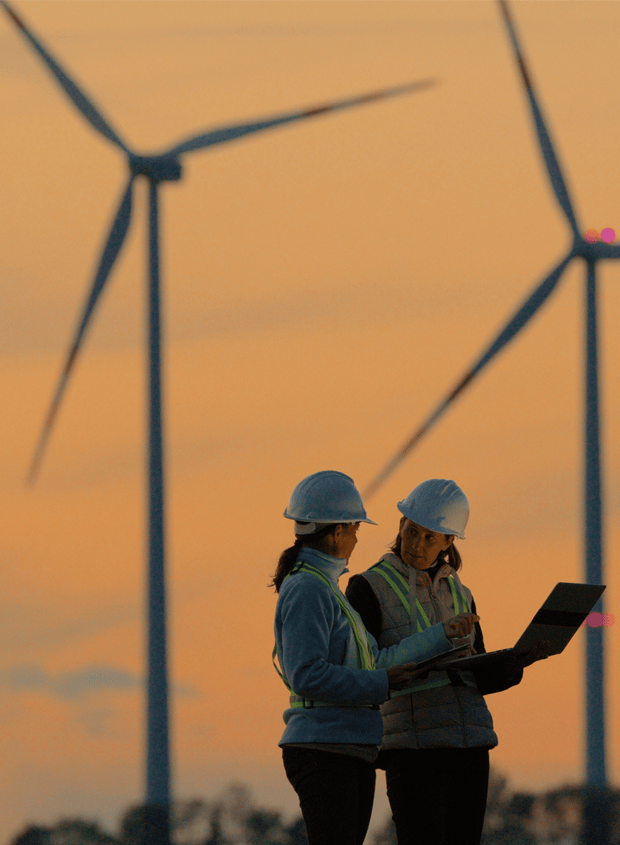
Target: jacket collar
(423,578)
(333,567)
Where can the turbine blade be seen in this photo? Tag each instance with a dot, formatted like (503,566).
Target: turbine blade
(230,133)
(77,97)
(514,325)
(551,160)
(110,252)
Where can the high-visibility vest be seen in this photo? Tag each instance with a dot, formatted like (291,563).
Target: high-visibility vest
(397,582)
(364,651)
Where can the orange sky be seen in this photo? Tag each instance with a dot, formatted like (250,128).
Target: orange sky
(324,285)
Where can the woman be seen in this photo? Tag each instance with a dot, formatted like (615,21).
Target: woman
(336,674)
(437,736)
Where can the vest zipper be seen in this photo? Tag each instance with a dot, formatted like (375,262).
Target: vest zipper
(434,602)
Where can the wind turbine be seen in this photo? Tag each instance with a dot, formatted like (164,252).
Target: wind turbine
(596,778)
(162,167)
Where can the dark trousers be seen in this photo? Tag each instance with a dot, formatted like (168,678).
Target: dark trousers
(438,795)
(336,792)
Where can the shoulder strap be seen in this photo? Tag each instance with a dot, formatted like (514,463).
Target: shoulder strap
(390,574)
(365,653)
(367,658)
(395,580)
(455,599)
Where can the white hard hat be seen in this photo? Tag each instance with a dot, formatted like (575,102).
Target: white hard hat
(325,497)
(439,505)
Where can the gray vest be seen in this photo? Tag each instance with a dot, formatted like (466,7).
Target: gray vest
(438,714)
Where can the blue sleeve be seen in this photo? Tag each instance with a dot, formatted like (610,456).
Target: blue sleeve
(413,649)
(304,622)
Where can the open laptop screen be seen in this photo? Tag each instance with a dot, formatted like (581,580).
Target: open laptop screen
(563,612)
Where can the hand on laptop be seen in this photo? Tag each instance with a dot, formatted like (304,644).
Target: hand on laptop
(460,625)
(539,652)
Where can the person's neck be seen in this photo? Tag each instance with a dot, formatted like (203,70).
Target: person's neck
(434,569)
(330,558)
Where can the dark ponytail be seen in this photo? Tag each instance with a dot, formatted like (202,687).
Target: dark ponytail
(287,561)
(453,557)
(289,556)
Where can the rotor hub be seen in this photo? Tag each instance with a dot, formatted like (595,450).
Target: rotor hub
(593,251)
(162,168)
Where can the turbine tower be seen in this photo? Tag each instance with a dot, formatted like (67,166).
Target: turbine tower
(596,816)
(162,167)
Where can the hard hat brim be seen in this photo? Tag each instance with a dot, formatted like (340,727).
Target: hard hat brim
(334,521)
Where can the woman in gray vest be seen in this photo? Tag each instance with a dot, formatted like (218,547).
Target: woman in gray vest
(336,675)
(437,733)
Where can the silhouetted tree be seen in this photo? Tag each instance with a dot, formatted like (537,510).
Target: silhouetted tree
(143,825)
(497,799)
(217,836)
(516,829)
(297,833)
(264,827)
(33,835)
(66,832)
(562,810)
(131,825)
(236,808)
(79,832)
(186,816)
(190,821)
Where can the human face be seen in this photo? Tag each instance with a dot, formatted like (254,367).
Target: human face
(345,539)
(421,547)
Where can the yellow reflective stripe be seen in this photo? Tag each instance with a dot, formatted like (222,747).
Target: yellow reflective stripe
(384,564)
(380,568)
(422,614)
(442,682)
(299,701)
(367,658)
(274,654)
(455,598)
(365,653)
(380,571)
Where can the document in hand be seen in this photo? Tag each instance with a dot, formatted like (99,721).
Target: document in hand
(565,609)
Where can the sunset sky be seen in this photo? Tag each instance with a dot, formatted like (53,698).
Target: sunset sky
(325,284)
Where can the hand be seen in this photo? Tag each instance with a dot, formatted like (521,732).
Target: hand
(400,677)
(539,652)
(471,650)
(461,625)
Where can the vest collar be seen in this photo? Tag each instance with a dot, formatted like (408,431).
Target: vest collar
(423,578)
(333,567)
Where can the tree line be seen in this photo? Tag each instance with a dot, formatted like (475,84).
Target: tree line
(512,818)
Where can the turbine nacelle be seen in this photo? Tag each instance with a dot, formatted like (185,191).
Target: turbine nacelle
(595,251)
(580,248)
(158,168)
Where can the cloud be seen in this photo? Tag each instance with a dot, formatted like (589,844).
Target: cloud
(43,623)
(78,683)
(32,327)
(379,301)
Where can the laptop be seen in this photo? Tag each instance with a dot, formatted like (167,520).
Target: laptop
(563,612)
